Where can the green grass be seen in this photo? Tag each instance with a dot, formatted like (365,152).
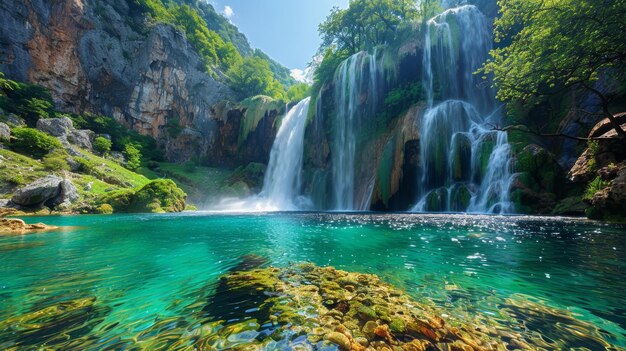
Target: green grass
(17,170)
(199,184)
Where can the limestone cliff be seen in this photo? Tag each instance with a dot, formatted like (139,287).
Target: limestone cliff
(105,57)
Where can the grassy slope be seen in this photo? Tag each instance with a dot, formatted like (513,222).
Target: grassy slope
(203,185)
(17,170)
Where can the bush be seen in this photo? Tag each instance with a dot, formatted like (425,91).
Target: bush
(33,142)
(85,166)
(102,145)
(56,161)
(161,195)
(104,209)
(133,157)
(595,186)
(119,200)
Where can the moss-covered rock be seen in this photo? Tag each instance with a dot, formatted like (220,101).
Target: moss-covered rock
(540,181)
(160,195)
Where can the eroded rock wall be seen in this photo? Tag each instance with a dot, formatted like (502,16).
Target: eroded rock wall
(105,57)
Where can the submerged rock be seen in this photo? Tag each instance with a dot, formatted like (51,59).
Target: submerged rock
(17,226)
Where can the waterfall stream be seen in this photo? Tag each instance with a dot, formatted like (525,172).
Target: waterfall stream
(357,80)
(281,185)
(466,167)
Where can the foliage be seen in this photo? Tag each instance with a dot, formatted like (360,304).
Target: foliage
(546,47)
(104,209)
(160,195)
(120,135)
(6,84)
(102,145)
(326,69)
(56,161)
(213,50)
(133,156)
(33,142)
(84,165)
(365,24)
(173,127)
(252,76)
(402,97)
(594,186)
(29,101)
(280,72)
(298,92)
(593,147)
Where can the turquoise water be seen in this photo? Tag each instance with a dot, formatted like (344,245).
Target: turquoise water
(146,269)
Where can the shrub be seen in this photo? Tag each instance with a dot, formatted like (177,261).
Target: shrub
(33,142)
(85,166)
(160,195)
(133,157)
(104,209)
(56,161)
(119,200)
(595,186)
(102,145)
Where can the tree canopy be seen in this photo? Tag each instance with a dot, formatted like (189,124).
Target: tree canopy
(253,76)
(365,23)
(549,46)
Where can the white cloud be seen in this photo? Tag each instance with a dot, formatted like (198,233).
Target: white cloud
(298,75)
(228,12)
(306,75)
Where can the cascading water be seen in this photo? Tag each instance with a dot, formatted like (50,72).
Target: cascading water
(356,92)
(282,178)
(465,166)
(281,185)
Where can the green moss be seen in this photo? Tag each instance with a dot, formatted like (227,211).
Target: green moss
(256,108)
(104,209)
(251,174)
(161,195)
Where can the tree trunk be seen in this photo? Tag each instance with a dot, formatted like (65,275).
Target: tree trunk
(618,128)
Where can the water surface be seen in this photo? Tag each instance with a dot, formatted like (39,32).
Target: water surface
(145,269)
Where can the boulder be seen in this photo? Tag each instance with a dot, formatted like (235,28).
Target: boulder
(38,192)
(5,131)
(82,138)
(612,199)
(15,121)
(68,193)
(58,127)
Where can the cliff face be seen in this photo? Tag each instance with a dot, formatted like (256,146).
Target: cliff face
(102,57)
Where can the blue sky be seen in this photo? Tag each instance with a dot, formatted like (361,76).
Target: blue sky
(284,29)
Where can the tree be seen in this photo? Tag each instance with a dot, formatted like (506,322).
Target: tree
(133,157)
(298,92)
(550,46)
(365,23)
(102,145)
(252,76)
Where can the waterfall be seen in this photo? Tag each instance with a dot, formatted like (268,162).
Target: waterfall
(281,185)
(356,99)
(282,182)
(466,167)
